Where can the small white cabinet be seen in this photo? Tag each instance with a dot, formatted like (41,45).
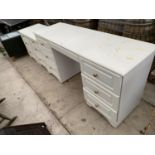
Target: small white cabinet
(61,66)
(38,49)
(114,69)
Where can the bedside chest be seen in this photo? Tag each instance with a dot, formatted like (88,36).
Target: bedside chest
(40,49)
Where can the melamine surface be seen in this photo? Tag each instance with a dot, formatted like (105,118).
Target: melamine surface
(118,54)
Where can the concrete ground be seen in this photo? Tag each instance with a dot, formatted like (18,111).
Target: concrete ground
(22,101)
(62,106)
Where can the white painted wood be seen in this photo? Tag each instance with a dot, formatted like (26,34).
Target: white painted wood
(103,76)
(29,39)
(29,46)
(116,67)
(112,62)
(116,53)
(100,106)
(66,66)
(101,93)
(133,87)
(46,51)
(43,43)
(39,49)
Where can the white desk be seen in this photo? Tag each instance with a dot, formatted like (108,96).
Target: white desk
(114,69)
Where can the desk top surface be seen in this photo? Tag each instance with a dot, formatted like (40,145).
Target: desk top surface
(29,31)
(119,54)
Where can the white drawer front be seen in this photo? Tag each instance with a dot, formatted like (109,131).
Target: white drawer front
(50,63)
(30,50)
(31,53)
(39,52)
(27,40)
(100,106)
(42,53)
(29,45)
(36,52)
(47,62)
(38,57)
(43,42)
(47,58)
(108,98)
(104,77)
(45,48)
(46,51)
(51,69)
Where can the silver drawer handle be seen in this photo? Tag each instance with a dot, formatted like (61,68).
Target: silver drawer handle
(96,92)
(95,75)
(96,105)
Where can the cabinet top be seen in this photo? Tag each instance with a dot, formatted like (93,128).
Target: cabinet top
(119,54)
(29,31)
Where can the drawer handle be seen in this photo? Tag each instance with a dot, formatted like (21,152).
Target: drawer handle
(96,105)
(96,92)
(95,75)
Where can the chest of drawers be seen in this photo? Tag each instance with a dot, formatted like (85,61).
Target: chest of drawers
(119,95)
(41,50)
(102,76)
(114,69)
(109,98)
(102,89)
(38,49)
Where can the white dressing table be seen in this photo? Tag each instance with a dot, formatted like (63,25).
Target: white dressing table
(114,69)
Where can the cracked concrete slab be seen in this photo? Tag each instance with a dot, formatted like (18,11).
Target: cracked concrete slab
(60,98)
(22,101)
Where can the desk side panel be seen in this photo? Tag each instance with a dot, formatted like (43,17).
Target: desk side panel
(133,87)
(67,67)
